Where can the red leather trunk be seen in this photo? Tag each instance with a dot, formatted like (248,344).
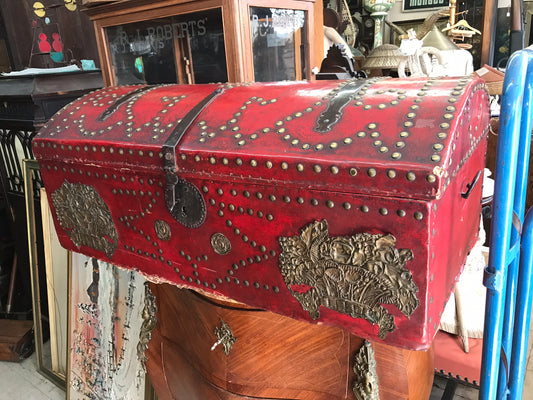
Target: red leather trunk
(349,203)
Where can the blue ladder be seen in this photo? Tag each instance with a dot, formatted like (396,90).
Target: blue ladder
(508,276)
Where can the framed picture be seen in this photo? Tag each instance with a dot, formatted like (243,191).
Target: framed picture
(423,5)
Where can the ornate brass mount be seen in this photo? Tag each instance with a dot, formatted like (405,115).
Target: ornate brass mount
(348,274)
(225,337)
(366,384)
(220,243)
(85,217)
(148,325)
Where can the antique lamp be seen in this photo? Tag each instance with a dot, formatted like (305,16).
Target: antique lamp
(378,9)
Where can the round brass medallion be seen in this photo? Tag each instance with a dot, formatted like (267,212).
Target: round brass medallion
(162,229)
(221,244)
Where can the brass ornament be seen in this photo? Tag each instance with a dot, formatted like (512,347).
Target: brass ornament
(85,217)
(220,243)
(348,274)
(366,383)
(225,337)
(148,325)
(162,229)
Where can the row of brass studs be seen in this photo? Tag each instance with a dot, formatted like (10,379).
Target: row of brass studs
(359,103)
(149,254)
(300,200)
(233,121)
(474,142)
(102,149)
(129,118)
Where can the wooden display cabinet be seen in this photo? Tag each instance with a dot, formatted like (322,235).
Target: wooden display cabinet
(179,41)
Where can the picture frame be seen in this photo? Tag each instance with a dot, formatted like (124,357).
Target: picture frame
(43,354)
(424,5)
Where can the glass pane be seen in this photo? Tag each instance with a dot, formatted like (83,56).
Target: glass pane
(187,48)
(278,43)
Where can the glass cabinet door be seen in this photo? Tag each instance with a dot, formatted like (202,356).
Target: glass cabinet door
(186,48)
(278,43)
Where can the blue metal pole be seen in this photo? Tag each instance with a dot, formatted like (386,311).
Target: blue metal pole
(501,254)
(524,290)
(519,208)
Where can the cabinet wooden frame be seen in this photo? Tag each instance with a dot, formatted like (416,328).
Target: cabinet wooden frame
(236,23)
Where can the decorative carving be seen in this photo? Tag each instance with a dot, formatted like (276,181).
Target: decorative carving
(162,229)
(221,244)
(225,337)
(366,384)
(85,217)
(348,274)
(149,323)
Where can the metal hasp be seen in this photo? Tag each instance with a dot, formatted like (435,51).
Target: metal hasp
(508,274)
(184,201)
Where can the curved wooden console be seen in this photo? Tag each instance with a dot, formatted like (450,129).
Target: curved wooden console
(273,357)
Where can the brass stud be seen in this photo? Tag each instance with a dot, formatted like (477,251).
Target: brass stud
(383,211)
(319,146)
(408,124)
(225,161)
(365,209)
(241,142)
(401,213)
(347,140)
(346,206)
(404,134)
(444,125)
(411,115)
(238,161)
(253,163)
(334,169)
(269,164)
(442,135)
(372,126)
(284,165)
(396,155)
(197,158)
(411,176)
(361,134)
(435,158)
(281,131)
(300,200)
(272,197)
(269,217)
(383,149)
(371,172)
(431,178)
(352,171)
(300,167)
(246,194)
(391,173)
(314,202)
(418,215)
(212,160)
(333,145)
(438,147)
(286,199)
(374,135)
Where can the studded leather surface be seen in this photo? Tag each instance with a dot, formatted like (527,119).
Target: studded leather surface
(276,164)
